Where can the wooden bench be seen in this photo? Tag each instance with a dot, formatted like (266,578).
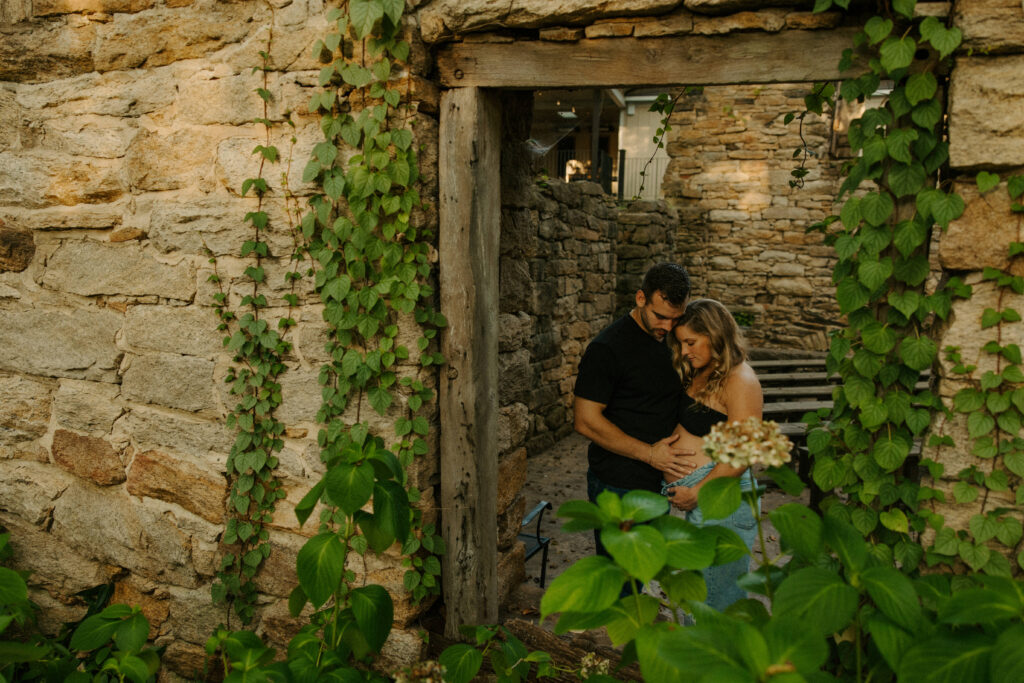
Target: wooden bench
(793,387)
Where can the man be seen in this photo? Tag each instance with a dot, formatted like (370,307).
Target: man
(627,392)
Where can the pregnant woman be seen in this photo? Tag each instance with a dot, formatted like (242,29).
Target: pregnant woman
(708,352)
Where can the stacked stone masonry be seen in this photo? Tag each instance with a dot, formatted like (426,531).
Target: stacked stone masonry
(125,133)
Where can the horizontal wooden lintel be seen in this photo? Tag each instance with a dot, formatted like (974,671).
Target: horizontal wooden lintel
(784,57)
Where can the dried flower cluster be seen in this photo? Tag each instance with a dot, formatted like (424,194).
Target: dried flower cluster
(592,665)
(429,671)
(750,442)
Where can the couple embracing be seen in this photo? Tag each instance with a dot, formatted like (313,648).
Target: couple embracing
(650,386)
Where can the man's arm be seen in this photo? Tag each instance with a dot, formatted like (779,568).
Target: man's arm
(662,455)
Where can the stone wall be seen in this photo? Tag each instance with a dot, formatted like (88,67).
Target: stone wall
(986,131)
(742,227)
(125,134)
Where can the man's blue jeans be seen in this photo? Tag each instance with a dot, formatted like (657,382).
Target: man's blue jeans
(721,579)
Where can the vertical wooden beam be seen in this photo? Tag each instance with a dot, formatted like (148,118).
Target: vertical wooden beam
(470,205)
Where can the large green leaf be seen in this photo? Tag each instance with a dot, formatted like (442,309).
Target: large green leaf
(979,606)
(825,602)
(799,528)
(894,595)
(12,587)
(876,208)
(591,585)
(942,39)
(906,179)
(918,353)
(391,508)
(349,486)
(642,506)
(873,273)
(98,629)
(909,235)
(683,586)
(891,640)
(720,497)
(789,642)
(878,338)
(640,549)
(686,546)
(890,451)
(851,295)
(14,653)
(959,658)
(921,86)
(897,53)
(461,662)
(374,612)
(319,565)
(132,633)
(1007,659)
(846,541)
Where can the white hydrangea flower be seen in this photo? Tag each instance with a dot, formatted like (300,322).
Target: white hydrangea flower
(750,442)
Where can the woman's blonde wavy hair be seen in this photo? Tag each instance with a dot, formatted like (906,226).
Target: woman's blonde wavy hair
(728,348)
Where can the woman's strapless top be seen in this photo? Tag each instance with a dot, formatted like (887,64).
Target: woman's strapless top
(696,417)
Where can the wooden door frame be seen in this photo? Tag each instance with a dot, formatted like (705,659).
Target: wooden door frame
(469,208)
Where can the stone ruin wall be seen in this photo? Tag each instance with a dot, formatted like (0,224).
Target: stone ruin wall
(742,228)
(125,132)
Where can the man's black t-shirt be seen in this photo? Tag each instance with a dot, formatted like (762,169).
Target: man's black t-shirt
(631,373)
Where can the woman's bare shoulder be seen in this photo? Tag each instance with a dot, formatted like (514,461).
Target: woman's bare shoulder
(743,376)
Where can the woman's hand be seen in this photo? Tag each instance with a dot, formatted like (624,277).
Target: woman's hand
(683,497)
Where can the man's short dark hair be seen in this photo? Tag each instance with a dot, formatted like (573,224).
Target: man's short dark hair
(671,279)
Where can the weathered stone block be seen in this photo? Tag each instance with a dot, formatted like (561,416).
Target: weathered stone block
(986,124)
(61,343)
(187,483)
(187,330)
(24,412)
(561,34)
(149,429)
(87,457)
(42,8)
(170,162)
(35,179)
(16,249)
(770,20)
(510,522)
(300,396)
(514,376)
(170,380)
(990,25)
(611,28)
(511,477)
(513,424)
(511,570)
(29,489)
(964,329)
(33,51)
(162,36)
(55,567)
(666,25)
(88,268)
(440,19)
(113,529)
(981,237)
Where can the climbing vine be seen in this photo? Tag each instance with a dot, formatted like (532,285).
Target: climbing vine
(866,447)
(258,363)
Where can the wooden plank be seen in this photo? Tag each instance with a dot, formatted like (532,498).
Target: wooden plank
(780,392)
(786,377)
(796,409)
(783,57)
(469,206)
(788,363)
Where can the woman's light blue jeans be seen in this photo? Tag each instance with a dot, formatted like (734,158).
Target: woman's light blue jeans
(721,579)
